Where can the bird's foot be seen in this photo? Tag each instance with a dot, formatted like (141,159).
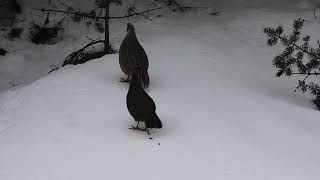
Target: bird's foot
(136,128)
(124,80)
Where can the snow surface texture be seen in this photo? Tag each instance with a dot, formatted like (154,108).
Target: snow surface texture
(27,62)
(225,115)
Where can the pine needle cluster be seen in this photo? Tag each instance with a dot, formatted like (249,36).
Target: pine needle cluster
(298,57)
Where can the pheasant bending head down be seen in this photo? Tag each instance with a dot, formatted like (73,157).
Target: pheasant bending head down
(141,106)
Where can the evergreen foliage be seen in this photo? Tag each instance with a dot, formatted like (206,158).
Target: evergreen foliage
(178,6)
(14,33)
(3,52)
(298,57)
(100,18)
(44,34)
(105,3)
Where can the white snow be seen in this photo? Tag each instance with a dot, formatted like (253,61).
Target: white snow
(225,114)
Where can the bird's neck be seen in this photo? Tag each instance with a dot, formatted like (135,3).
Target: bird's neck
(135,83)
(131,34)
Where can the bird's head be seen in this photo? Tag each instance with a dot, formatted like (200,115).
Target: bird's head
(130,27)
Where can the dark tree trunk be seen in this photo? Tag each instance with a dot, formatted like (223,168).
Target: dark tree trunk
(106,33)
(14,6)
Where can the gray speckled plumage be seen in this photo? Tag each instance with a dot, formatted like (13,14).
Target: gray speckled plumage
(132,56)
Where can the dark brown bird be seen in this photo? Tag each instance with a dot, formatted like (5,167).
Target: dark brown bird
(132,56)
(141,106)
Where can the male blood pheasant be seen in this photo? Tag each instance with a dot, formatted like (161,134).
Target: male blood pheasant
(132,56)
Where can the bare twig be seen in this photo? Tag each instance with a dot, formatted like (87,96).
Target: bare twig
(75,55)
(100,12)
(302,81)
(90,44)
(68,12)
(180,7)
(307,73)
(189,7)
(96,17)
(215,13)
(134,14)
(92,39)
(67,6)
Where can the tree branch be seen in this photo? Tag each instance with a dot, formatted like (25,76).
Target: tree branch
(75,55)
(180,7)
(134,14)
(68,12)
(303,50)
(304,80)
(308,73)
(96,17)
(90,44)
(189,7)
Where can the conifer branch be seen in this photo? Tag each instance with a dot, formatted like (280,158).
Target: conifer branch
(178,6)
(292,60)
(85,15)
(134,14)
(308,73)
(300,84)
(298,47)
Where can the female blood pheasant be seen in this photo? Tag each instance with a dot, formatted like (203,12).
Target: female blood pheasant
(140,105)
(132,56)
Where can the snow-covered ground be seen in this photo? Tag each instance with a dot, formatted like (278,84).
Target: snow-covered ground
(225,115)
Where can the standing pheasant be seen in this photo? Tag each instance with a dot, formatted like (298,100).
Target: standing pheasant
(140,105)
(132,56)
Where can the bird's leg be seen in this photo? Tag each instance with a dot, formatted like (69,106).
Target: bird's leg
(136,127)
(125,80)
(147,130)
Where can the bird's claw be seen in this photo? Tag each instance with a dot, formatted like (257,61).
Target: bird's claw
(124,80)
(136,128)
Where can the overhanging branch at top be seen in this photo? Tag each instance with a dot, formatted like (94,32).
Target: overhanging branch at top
(97,17)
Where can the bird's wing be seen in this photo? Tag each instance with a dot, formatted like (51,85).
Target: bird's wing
(140,103)
(150,102)
(137,57)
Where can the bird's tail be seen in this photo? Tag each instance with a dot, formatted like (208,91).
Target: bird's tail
(153,121)
(145,79)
